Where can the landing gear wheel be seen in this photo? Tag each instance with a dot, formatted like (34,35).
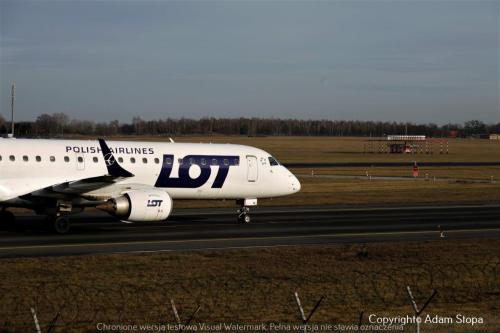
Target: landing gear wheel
(7,219)
(60,225)
(244,215)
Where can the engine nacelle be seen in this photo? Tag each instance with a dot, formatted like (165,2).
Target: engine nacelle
(140,206)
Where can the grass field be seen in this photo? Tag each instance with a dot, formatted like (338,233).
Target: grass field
(450,173)
(344,149)
(254,286)
(331,191)
(320,190)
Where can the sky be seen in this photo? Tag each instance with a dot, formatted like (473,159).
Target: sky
(420,61)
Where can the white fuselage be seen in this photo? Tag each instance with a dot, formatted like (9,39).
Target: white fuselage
(184,170)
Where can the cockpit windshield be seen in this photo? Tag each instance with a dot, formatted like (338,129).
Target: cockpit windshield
(273,161)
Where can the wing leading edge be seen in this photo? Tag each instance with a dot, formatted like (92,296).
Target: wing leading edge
(115,173)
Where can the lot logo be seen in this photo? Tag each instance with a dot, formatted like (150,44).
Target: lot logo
(109,159)
(205,162)
(154,203)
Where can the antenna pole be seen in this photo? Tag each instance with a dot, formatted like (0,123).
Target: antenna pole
(12,107)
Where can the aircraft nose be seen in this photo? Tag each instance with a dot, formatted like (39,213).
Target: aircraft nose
(295,184)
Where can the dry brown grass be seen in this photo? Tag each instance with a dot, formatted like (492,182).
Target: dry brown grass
(328,191)
(341,149)
(320,190)
(253,286)
(474,173)
(345,149)
(351,149)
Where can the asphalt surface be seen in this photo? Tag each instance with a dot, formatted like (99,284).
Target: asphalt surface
(197,229)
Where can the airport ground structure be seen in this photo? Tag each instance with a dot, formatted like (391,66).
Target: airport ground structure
(368,228)
(406,144)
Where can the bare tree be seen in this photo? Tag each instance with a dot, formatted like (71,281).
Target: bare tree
(59,123)
(2,124)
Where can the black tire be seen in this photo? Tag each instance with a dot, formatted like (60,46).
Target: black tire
(7,216)
(7,219)
(60,225)
(244,219)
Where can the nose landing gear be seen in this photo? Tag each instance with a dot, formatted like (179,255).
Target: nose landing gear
(244,215)
(244,211)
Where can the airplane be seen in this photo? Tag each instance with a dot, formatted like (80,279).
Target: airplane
(133,181)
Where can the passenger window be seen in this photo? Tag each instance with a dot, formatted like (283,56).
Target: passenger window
(66,159)
(38,159)
(52,158)
(12,158)
(272,161)
(120,159)
(80,159)
(95,159)
(144,160)
(132,160)
(191,161)
(214,161)
(226,161)
(157,160)
(25,158)
(168,160)
(203,161)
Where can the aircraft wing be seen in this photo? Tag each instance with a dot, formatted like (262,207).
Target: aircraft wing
(115,174)
(84,185)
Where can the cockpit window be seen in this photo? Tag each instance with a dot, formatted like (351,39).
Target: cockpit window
(273,161)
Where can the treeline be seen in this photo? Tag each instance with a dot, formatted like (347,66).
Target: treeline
(59,124)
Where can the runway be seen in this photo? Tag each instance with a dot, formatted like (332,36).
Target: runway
(198,229)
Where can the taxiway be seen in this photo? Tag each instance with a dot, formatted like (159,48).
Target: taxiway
(199,229)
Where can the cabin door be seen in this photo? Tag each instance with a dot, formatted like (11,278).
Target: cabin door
(253,172)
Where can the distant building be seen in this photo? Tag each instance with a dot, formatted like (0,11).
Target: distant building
(407,144)
(406,137)
(495,137)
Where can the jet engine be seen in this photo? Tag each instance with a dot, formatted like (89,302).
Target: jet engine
(140,206)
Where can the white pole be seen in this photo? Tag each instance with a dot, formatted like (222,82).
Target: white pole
(37,325)
(301,309)
(12,108)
